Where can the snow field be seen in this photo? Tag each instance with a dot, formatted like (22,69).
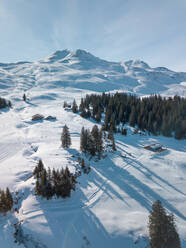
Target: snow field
(111,204)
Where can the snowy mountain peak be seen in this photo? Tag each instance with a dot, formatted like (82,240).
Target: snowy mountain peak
(75,55)
(85,56)
(82,53)
(58,55)
(136,63)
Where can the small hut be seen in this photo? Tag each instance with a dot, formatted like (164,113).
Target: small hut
(155,148)
(37,117)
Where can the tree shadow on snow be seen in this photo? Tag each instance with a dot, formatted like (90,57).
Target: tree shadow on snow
(135,188)
(72,223)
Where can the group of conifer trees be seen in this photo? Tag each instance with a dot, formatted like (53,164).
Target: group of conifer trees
(55,182)
(162,228)
(91,141)
(4,103)
(6,201)
(155,114)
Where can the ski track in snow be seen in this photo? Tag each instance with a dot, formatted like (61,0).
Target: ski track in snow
(8,150)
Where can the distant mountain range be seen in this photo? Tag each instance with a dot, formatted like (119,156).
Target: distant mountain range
(80,69)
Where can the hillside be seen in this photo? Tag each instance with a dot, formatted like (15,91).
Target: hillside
(111,204)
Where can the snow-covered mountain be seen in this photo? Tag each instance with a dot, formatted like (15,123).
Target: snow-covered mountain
(80,69)
(111,204)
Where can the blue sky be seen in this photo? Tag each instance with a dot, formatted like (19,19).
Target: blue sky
(117,30)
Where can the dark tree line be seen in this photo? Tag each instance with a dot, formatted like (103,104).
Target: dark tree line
(55,182)
(162,228)
(6,201)
(4,103)
(91,141)
(155,114)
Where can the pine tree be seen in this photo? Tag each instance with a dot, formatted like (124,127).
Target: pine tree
(91,148)
(65,104)
(98,115)
(9,199)
(121,113)
(124,131)
(113,143)
(65,137)
(82,105)
(83,140)
(100,144)
(6,201)
(37,187)
(82,163)
(132,118)
(24,97)
(3,202)
(95,136)
(4,103)
(110,135)
(97,140)
(162,229)
(74,107)
(38,169)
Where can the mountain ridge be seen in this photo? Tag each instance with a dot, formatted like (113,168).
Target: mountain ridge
(61,54)
(81,69)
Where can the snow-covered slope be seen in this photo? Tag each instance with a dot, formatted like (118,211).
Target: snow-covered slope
(80,69)
(111,204)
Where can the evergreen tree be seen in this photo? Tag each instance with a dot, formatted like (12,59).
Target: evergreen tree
(38,169)
(65,104)
(6,201)
(82,106)
(162,229)
(82,163)
(113,143)
(37,187)
(74,107)
(98,116)
(124,131)
(24,97)
(95,136)
(100,144)
(91,147)
(3,202)
(4,103)
(132,118)
(97,140)
(65,137)
(9,199)
(110,135)
(180,129)
(83,140)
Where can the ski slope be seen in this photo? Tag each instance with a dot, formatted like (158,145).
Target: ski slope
(111,204)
